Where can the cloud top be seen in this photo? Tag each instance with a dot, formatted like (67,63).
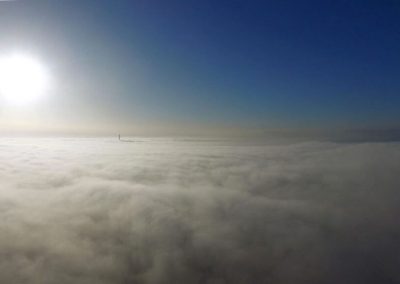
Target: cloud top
(188,211)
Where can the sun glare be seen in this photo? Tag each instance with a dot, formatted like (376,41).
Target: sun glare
(23,79)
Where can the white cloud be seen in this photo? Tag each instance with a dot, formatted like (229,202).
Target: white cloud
(175,211)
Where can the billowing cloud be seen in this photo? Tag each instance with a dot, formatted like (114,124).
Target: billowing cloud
(176,211)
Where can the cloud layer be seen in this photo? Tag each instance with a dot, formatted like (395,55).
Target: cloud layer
(185,211)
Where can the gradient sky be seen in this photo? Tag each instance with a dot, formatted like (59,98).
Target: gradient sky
(160,66)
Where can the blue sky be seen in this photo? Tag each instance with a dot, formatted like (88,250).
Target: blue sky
(254,64)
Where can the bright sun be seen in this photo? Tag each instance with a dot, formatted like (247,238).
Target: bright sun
(23,79)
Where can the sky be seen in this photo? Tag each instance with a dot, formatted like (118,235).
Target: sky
(201,67)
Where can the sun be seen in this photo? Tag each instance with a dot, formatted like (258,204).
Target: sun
(23,79)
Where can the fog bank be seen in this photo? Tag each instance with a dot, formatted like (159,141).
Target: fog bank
(198,211)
